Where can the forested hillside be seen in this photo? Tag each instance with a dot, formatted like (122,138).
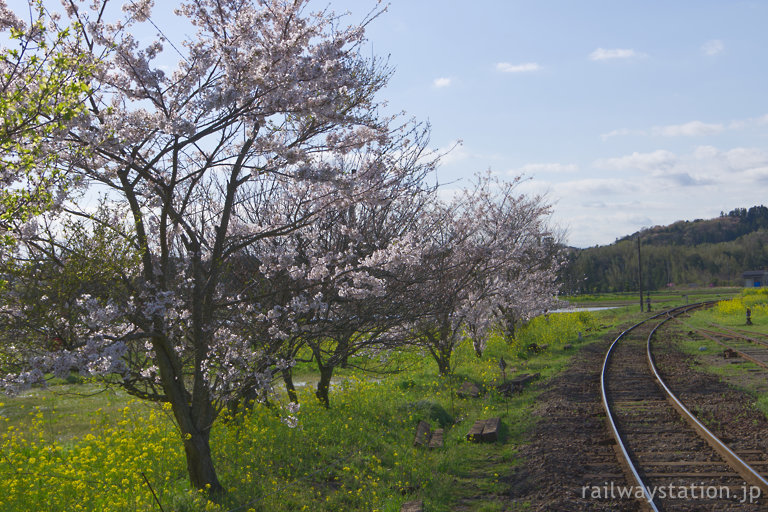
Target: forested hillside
(701,252)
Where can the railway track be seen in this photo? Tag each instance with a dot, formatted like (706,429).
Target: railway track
(675,462)
(748,346)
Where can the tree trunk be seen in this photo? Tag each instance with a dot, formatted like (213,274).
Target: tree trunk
(440,346)
(444,363)
(289,387)
(443,358)
(445,347)
(243,403)
(202,474)
(509,323)
(324,385)
(342,350)
(509,333)
(190,414)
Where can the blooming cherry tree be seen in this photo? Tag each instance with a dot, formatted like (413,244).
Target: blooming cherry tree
(342,269)
(263,104)
(485,253)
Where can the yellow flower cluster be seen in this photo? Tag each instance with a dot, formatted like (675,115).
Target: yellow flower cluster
(100,471)
(734,310)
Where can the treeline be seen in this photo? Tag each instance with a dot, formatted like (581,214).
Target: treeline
(701,252)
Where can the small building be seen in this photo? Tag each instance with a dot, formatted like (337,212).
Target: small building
(755,278)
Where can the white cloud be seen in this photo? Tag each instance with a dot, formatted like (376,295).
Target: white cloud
(453,153)
(713,47)
(658,188)
(506,67)
(555,168)
(705,152)
(589,187)
(691,129)
(705,165)
(739,124)
(759,174)
(616,53)
(442,82)
(658,159)
(745,159)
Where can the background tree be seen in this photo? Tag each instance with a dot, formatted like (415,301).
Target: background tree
(43,84)
(483,255)
(351,263)
(327,283)
(714,251)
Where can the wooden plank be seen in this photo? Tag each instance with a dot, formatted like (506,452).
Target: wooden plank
(491,430)
(475,433)
(685,463)
(603,476)
(516,383)
(693,475)
(413,506)
(468,390)
(523,379)
(437,438)
(422,434)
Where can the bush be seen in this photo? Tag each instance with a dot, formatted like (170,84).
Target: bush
(431,412)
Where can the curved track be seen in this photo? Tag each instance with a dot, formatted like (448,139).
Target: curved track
(674,460)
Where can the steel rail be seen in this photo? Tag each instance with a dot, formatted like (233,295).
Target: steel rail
(607,407)
(737,463)
(741,353)
(738,334)
(612,421)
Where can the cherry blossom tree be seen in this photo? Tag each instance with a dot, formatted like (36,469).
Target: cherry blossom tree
(346,298)
(541,265)
(325,283)
(485,252)
(42,87)
(264,104)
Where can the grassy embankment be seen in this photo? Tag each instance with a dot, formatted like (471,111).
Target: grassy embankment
(707,354)
(71,448)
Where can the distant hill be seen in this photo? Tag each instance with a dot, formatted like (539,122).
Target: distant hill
(700,252)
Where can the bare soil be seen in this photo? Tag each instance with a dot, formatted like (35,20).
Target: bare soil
(571,449)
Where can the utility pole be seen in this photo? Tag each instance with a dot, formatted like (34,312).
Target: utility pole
(640,272)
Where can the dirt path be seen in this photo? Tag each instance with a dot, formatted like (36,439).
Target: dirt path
(571,449)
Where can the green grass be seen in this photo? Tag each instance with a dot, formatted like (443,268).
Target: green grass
(64,416)
(71,448)
(730,313)
(659,298)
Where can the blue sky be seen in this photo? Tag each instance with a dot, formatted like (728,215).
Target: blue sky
(627,114)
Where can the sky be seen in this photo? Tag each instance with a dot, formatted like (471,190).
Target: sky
(625,115)
(622,114)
